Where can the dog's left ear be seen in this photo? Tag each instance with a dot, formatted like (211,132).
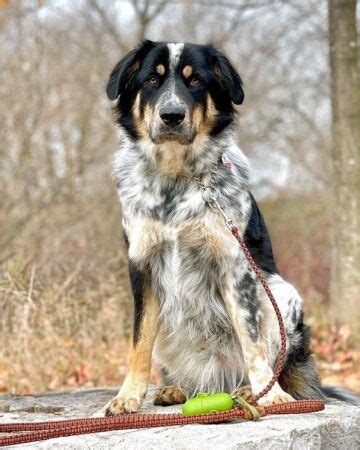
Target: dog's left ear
(228,76)
(126,68)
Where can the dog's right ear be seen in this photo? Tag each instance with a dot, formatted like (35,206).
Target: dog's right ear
(126,68)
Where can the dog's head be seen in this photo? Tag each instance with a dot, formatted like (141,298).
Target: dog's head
(174,91)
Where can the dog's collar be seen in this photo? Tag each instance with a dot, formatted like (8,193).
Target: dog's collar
(222,161)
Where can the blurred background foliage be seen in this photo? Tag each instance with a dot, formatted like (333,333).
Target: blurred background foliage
(65,307)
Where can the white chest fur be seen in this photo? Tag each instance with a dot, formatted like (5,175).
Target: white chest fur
(186,263)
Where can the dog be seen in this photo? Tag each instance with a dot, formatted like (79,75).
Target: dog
(199,308)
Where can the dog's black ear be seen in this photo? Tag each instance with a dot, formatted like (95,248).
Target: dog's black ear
(228,76)
(126,68)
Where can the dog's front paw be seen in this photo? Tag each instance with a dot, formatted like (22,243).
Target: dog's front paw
(274,396)
(119,405)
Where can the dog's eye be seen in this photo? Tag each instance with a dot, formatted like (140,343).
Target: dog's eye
(153,80)
(195,81)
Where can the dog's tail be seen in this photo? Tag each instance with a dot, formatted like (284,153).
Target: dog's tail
(338,393)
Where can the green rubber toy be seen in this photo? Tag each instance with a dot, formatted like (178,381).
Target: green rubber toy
(205,403)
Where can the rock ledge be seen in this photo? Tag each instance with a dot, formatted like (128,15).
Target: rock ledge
(338,427)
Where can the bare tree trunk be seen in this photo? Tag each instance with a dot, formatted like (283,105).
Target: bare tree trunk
(345,284)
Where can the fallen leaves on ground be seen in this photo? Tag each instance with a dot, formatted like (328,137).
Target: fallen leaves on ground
(338,356)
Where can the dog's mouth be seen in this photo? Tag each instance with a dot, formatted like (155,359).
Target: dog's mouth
(173,136)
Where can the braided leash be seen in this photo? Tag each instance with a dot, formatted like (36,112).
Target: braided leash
(281,358)
(38,431)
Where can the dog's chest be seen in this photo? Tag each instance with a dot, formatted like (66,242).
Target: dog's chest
(183,244)
(199,244)
(186,261)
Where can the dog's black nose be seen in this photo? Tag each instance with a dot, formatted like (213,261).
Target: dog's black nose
(172,115)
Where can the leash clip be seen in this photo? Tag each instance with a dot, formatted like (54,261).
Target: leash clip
(209,193)
(214,204)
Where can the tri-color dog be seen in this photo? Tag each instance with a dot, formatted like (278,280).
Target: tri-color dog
(197,301)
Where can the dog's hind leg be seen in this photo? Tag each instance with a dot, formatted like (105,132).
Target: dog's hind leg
(132,393)
(299,377)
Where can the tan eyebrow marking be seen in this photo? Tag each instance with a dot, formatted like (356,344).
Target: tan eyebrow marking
(160,69)
(187,71)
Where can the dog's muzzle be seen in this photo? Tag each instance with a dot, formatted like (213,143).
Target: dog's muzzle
(172,125)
